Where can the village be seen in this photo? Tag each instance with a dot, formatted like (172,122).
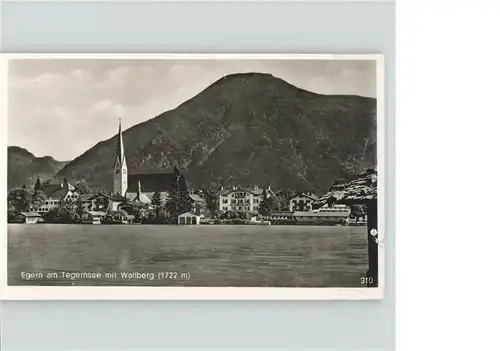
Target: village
(164,198)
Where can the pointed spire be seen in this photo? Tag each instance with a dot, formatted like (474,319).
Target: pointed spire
(120,153)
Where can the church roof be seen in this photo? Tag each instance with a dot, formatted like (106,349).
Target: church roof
(138,197)
(56,191)
(196,197)
(151,182)
(112,197)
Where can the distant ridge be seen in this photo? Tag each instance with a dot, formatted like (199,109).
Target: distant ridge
(23,167)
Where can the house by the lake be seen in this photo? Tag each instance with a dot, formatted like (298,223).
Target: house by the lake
(198,204)
(55,194)
(188,218)
(30,217)
(240,199)
(92,217)
(302,202)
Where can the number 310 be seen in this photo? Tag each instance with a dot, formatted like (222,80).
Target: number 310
(366,280)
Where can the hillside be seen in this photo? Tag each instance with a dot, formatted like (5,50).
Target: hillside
(23,167)
(246,129)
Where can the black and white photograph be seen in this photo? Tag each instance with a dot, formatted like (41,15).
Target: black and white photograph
(193,176)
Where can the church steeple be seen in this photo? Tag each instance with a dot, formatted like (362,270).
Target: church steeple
(120,166)
(119,153)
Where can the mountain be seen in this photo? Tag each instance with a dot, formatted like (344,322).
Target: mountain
(246,129)
(23,167)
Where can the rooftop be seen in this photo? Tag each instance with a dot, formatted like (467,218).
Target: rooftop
(151,182)
(31,214)
(196,197)
(254,190)
(56,191)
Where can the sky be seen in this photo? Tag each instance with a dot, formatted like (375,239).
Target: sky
(63,107)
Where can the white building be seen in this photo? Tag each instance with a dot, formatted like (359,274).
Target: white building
(302,202)
(31,217)
(188,218)
(93,217)
(241,200)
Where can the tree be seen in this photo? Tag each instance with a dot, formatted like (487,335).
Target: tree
(184,200)
(38,185)
(11,216)
(268,204)
(180,201)
(82,187)
(65,213)
(216,214)
(38,198)
(79,207)
(331,201)
(358,211)
(19,199)
(157,202)
(283,200)
(140,213)
(210,195)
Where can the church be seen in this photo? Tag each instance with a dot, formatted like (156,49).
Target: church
(137,187)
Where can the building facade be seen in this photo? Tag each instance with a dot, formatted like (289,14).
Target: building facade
(241,200)
(102,202)
(302,202)
(198,205)
(55,194)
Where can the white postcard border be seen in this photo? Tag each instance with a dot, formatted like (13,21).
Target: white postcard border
(196,293)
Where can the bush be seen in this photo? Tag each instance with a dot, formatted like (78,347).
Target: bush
(61,215)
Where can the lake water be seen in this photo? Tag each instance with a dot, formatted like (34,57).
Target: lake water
(204,255)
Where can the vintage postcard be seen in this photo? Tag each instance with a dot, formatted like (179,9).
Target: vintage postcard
(221,176)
